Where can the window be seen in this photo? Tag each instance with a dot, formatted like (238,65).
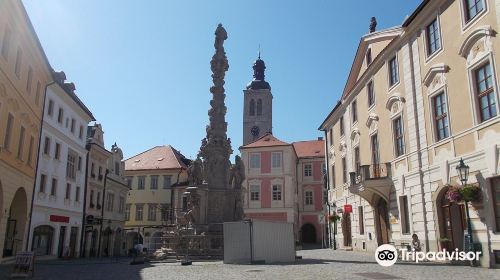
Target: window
(167,181)
(371,94)
(46,146)
(332,181)
(19,58)
(344,170)
(140,182)
(330,136)
(341,126)
(276,160)
(79,163)
(254,193)
(121,204)
(361,220)
(50,108)
(393,72)
(98,200)
(117,168)
(20,146)
(397,126)
(37,94)
(110,202)
(68,191)
(6,43)
(184,204)
(485,92)
(57,154)
(53,188)
(473,8)
(252,108)
(255,160)
(154,182)
(92,170)
(440,116)
(138,212)
(307,170)
(368,57)
(325,197)
(60,115)
(43,183)
(127,212)
(165,212)
(129,181)
(91,200)
(405,219)
(30,150)
(152,212)
(354,111)
(375,153)
(71,165)
(433,37)
(72,127)
(309,198)
(8,132)
(80,132)
(29,81)
(276,192)
(77,194)
(259,107)
(357,160)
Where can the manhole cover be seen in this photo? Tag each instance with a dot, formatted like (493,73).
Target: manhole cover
(255,270)
(377,275)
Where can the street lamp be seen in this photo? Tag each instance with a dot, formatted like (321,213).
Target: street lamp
(463,174)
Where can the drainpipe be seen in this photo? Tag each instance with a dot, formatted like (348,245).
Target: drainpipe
(36,165)
(328,189)
(83,240)
(419,153)
(102,212)
(298,202)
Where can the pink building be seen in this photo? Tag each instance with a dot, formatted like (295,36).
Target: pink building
(284,182)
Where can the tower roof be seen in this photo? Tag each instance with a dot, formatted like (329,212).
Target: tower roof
(258,82)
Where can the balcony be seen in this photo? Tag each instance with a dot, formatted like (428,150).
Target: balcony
(372,181)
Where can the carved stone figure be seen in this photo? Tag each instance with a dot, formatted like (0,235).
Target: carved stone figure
(373,24)
(237,174)
(195,172)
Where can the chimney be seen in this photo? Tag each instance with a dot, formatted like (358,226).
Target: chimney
(320,138)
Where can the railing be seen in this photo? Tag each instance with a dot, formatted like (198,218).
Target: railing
(371,172)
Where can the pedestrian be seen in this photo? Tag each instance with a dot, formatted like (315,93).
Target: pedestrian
(416,246)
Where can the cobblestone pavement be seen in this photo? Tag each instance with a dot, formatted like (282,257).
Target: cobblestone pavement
(316,264)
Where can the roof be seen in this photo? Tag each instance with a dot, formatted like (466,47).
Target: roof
(74,97)
(308,149)
(268,140)
(415,13)
(159,157)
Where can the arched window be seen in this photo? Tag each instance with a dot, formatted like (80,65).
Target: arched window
(252,107)
(259,107)
(42,240)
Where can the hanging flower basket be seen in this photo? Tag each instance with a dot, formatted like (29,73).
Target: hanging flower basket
(453,194)
(334,218)
(471,193)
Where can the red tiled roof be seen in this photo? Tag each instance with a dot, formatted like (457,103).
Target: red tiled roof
(313,148)
(159,157)
(267,140)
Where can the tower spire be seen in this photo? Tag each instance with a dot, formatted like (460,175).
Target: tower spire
(259,68)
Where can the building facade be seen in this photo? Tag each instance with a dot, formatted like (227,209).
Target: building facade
(56,221)
(419,98)
(151,176)
(24,74)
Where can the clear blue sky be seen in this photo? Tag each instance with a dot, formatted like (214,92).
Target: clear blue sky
(142,67)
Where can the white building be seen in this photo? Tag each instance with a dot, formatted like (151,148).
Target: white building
(60,178)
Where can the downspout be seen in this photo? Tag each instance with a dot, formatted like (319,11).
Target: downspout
(102,212)
(298,202)
(36,165)
(83,241)
(328,189)
(419,153)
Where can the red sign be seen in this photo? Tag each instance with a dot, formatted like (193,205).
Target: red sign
(59,219)
(348,208)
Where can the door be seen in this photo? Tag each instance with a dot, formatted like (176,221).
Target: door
(346,229)
(382,222)
(9,238)
(62,235)
(72,241)
(452,225)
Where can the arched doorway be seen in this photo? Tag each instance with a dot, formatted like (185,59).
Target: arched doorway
(451,223)
(106,242)
(118,242)
(382,222)
(133,238)
(16,223)
(42,240)
(308,233)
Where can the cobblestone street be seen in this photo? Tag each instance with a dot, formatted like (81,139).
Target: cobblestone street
(316,264)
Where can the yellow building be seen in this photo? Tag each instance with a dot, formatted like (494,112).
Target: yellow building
(420,97)
(151,176)
(24,74)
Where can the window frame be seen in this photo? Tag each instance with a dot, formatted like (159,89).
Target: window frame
(254,163)
(308,198)
(398,136)
(467,21)
(436,119)
(254,192)
(354,111)
(308,170)
(490,91)
(277,192)
(278,159)
(393,73)
(370,90)
(428,54)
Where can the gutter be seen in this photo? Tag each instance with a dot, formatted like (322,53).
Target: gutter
(36,165)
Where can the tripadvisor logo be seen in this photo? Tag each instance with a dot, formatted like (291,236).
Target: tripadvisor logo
(386,255)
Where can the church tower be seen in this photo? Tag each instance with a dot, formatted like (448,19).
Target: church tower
(258,105)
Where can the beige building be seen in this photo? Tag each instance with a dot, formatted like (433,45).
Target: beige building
(151,176)
(418,98)
(24,74)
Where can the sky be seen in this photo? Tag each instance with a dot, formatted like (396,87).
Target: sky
(143,67)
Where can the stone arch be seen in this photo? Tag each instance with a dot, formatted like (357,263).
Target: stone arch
(474,36)
(308,233)
(16,223)
(450,221)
